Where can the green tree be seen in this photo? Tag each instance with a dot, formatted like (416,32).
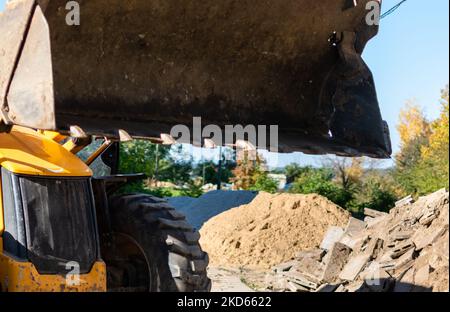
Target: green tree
(377,191)
(193,189)
(264,183)
(320,181)
(175,171)
(250,174)
(140,156)
(408,167)
(160,162)
(293,171)
(209,170)
(435,155)
(347,172)
(422,165)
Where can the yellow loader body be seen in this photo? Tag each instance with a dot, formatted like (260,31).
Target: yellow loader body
(27,152)
(17,276)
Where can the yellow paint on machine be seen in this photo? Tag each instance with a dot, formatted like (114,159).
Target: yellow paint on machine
(2,218)
(30,152)
(16,276)
(36,153)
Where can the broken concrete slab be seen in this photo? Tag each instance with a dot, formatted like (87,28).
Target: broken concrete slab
(386,256)
(354,242)
(308,266)
(417,212)
(401,249)
(294,287)
(427,237)
(388,265)
(373,247)
(441,247)
(401,235)
(354,227)
(405,259)
(372,271)
(374,213)
(422,276)
(302,280)
(334,262)
(353,267)
(437,261)
(283,267)
(327,288)
(333,235)
(374,222)
(428,217)
(399,272)
(315,254)
(404,201)
(277,283)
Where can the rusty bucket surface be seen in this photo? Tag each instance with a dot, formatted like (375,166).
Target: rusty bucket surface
(145,66)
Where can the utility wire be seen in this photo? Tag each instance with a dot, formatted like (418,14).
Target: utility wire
(392,10)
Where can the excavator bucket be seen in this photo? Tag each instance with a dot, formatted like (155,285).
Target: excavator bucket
(144,66)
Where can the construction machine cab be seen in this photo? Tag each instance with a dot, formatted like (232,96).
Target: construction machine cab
(48,228)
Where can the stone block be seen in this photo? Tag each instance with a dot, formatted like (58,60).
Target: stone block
(294,287)
(373,247)
(404,201)
(283,267)
(401,249)
(373,213)
(303,280)
(327,288)
(333,235)
(422,276)
(353,267)
(354,242)
(335,261)
(354,227)
(428,236)
(315,254)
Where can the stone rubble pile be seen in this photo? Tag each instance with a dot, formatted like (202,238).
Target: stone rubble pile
(405,250)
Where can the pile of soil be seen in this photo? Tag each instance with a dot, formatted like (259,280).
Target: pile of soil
(269,230)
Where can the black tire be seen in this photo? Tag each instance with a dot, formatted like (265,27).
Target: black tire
(152,248)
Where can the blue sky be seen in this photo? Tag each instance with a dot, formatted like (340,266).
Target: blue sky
(409,59)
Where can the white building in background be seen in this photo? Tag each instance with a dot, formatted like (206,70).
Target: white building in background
(281,179)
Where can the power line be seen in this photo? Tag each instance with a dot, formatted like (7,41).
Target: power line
(393,9)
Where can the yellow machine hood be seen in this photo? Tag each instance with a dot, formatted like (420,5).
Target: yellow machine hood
(25,151)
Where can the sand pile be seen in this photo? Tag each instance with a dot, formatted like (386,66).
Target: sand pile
(405,250)
(269,230)
(199,210)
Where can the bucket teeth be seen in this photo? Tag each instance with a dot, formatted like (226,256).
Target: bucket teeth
(125,67)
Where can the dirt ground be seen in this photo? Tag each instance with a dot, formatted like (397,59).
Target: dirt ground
(236,280)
